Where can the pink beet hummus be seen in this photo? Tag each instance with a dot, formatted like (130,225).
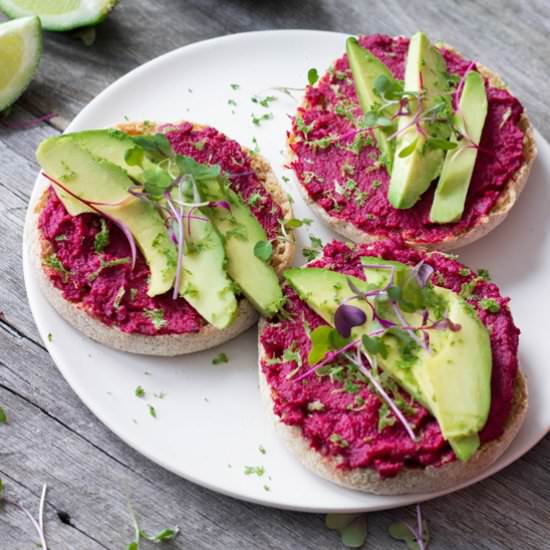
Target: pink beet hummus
(344,425)
(326,170)
(117,296)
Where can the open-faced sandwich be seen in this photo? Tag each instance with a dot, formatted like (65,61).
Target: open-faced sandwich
(392,370)
(401,137)
(160,240)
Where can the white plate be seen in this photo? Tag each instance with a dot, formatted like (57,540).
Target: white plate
(210,423)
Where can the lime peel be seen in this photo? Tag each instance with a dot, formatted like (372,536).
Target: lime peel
(57,15)
(20,51)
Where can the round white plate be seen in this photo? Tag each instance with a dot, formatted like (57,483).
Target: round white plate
(210,424)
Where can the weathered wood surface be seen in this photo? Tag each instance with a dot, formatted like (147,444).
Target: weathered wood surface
(53,438)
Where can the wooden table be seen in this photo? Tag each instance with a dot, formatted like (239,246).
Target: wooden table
(51,437)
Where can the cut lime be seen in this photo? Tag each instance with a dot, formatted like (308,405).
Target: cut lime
(60,15)
(20,50)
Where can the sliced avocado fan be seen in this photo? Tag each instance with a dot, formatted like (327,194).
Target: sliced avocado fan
(452,380)
(416,163)
(100,181)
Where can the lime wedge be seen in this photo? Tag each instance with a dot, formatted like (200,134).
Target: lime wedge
(60,15)
(20,50)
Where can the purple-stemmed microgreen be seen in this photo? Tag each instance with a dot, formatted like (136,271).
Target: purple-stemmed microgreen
(90,204)
(358,361)
(416,538)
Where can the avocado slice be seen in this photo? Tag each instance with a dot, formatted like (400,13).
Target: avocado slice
(241,231)
(454,181)
(204,280)
(459,359)
(99,180)
(366,68)
(426,74)
(111,145)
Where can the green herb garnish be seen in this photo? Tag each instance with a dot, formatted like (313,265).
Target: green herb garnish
(254,470)
(102,237)
(156,316)
(312,76)
(490,305)
(263,250)
(220,358)
(139,392)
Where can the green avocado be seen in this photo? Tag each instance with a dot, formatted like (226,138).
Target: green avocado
(452,380)
(241,231)
(204,280)
(454,181)
(366,68)
(100,181)
(111,145)
(416,163)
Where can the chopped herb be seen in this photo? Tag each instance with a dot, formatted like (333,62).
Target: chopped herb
(61,237)
(257,120)
(360,141)
(484,274)
(50,337)
(264,102)
(267,488)
(152,411)
(235,86)
(490,305)
(385,417)
(3,420)
(295,223)
(303,127)
(54,262)
(263,250)
(254,470)
(286,179)
(139,392)
(312,76)
(256,149)
(337,439)
(322,143)
(232,102)
(314,250)
(376,184)
(220,358)
(106,265)
(262,450)
(156,316)
(253,199)
(464,271)
(102,238)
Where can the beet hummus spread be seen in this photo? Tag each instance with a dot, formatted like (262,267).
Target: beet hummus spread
(345,177)
(116,294)
(340,420)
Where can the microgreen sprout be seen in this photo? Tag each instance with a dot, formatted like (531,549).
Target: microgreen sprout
(38,525)
(165,535)
(416,538)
